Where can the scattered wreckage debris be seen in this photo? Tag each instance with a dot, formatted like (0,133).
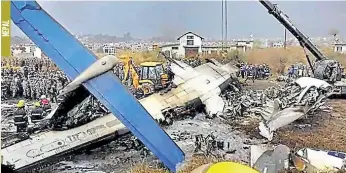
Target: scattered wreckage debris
(278,107)
(272,159)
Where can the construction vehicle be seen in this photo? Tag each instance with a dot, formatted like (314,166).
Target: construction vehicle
(152,76)
(325,69)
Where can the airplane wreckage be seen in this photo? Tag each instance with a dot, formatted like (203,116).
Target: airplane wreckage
(199,88)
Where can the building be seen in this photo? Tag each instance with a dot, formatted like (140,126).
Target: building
(190,44)
(340,48)
(27,50)
(109,49)
(243,45)
(37,52)
(174,50)
(278,44)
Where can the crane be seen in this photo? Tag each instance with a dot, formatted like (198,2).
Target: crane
(324,69)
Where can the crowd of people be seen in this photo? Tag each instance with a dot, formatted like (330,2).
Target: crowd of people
(30,78)
(254,71)
(298,70)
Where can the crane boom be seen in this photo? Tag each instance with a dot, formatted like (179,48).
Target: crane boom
(284,20)
(324,69)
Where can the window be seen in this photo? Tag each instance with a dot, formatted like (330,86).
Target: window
(190,42)
(145,73)
(152,73)
(159,70)
(174,48)
(339,49)
(190,37)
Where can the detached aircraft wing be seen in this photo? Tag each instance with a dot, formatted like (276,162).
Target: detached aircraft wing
(73,58)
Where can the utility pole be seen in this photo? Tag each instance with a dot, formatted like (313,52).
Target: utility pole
(226,21)
(222,25)
(285,42)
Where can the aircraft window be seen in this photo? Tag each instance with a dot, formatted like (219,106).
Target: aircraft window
(145,73)
(152,74)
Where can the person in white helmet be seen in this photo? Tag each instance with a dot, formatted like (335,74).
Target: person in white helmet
(45,103)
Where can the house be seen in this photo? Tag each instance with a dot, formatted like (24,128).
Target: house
(190,44)
(37,52)
(109,49)
(174,50)
(340,48)
(278,44)
(243,45)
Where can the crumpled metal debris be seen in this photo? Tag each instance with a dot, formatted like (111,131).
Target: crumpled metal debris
(271,159)
(210,146)
(297,99)
(322,160)
(278,106)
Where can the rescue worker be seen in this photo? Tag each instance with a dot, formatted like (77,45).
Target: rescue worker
(20,117)
(37,113)
(45,103)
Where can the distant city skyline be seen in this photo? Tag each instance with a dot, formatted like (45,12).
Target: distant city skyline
(172,18)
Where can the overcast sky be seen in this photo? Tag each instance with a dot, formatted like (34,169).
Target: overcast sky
(148,19)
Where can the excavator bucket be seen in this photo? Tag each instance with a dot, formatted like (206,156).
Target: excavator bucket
(73,58)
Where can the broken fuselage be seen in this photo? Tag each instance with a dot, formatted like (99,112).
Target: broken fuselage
(197,86)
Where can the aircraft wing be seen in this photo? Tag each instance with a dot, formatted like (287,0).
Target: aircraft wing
(73,58)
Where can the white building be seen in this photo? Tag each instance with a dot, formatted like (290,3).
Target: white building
(109,49)
(190,44)
(27,50)
(243,45)
(37,52)
(279,44)
(16,51)
(340,47)
(173,50)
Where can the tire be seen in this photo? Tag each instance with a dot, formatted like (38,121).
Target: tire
(147,89)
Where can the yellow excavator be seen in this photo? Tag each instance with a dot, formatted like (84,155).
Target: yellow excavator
(152,76)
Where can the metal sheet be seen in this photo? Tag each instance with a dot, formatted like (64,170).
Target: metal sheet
(67,52)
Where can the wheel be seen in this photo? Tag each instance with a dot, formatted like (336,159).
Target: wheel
(147,89)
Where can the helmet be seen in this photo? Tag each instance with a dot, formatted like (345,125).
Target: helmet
(43,96)
(224,167)
(37,104)
(21,104)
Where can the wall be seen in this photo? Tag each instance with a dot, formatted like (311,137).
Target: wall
(341,48)
(178,53)
(197,41)
(37,52)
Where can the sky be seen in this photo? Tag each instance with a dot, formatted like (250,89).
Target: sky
(146,19)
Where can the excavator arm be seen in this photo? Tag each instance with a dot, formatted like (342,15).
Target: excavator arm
(129,68)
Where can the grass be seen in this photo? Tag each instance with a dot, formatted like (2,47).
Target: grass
(328,134)
(277,58)
(191,165)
